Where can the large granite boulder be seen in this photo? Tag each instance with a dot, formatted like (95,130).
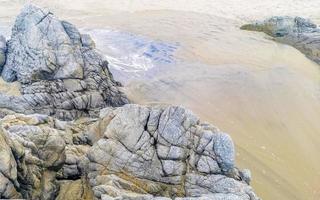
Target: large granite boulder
(295,31)
(146,152)
(131,152)
(60,71)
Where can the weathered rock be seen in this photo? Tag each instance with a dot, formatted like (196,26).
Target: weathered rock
(75,156)
(134,157)
(60,71)
(42,47)
(3,49)
(38,151)
(74,190)
(8,169)
(163,151)
(295,31)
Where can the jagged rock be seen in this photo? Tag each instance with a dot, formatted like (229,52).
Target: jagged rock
(3,49)
(295,31)
(60,71)
(142,152)
(42,47)
(37,151)
(162,151)
(8,169)
(74,190)
(75,156)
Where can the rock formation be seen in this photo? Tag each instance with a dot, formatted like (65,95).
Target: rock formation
(295,31)
(3,49)
(131,152)
(60,71)
(163,152)
(106,152)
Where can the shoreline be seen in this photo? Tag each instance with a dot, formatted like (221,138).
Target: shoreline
(275,89)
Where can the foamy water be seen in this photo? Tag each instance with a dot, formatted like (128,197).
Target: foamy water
(132,56)
(265,94)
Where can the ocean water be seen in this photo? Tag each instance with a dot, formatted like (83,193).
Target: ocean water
(132,56)
(266,95)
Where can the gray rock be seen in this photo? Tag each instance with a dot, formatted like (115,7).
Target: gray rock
(125,161)
(208,165)
(60,71)
(87,41)
(8,169)
(3,49)
(75,155)
(224,151)
(42,47)
(199,185)
(216,196)
(164,151)
(38,151)
(295,31)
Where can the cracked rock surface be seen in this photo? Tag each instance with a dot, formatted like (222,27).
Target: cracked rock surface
(163,151)
(131,152)
(298,32)
(3,49)
(60,71)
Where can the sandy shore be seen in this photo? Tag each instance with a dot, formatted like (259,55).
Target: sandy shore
(266,95)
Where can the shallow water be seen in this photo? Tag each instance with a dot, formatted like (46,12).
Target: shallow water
(265,94)
(132,56)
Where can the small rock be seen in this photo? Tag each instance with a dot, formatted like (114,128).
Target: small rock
(295,31)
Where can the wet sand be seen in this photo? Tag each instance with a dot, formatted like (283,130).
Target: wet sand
(264,94)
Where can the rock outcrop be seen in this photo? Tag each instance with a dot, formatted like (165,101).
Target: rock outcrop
(146,152)
(67,138)
(131,152)
(295,31)
(38,155)
(60,72)
(3,49)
